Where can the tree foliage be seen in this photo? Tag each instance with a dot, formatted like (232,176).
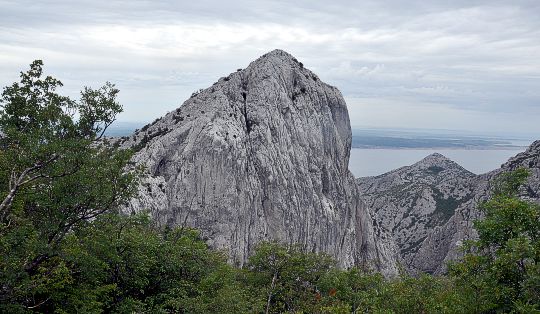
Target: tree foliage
(66,248)
(501,269)
(287,277)
(56,174)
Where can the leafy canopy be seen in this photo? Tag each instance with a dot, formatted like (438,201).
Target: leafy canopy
(502,268)
(56,174)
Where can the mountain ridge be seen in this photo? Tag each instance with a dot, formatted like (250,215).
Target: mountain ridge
(441,204)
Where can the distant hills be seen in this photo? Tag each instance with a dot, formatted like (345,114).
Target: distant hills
(429,207)
(371,141)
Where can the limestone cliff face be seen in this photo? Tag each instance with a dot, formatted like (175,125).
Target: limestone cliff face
(429,207)
(410,202)
(262,154)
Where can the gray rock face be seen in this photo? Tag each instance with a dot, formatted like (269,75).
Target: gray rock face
(529,159)
(262,154)
(429,207)
(410,202)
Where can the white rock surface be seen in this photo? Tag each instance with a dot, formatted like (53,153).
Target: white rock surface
(262,154)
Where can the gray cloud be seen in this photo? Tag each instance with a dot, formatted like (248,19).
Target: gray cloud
(464,60)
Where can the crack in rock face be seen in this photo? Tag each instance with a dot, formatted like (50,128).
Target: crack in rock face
(260,155)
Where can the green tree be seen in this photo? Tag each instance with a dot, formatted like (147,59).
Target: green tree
(357,291)
(352,291)
(286,277)
(125,265)
(56,173)
(64,247)
(501,269)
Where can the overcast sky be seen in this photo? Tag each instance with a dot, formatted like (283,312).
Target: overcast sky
(468,65)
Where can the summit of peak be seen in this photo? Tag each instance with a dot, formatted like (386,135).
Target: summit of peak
(438,160)
(279,53)
(436,156)
(282,67)
(277,57)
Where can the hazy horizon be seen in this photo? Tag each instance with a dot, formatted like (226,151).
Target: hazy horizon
(132,125)
(462,66)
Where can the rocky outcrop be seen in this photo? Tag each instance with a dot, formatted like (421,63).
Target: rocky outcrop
(529,159)
(410,202)
(260,155)
(429,207)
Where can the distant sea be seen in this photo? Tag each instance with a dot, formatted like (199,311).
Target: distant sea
(379,150)
(373,162)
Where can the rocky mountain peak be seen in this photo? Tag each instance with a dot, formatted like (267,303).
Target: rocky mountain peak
(435,157)
(276,59)
(277,64)
(411,201)
(435,164)
(276,56)
(429,207)
(262,154)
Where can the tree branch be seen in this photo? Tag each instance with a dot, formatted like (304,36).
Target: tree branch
(20,181)
(270,293)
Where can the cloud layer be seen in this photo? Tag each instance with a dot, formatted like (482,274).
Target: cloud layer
(469,65)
